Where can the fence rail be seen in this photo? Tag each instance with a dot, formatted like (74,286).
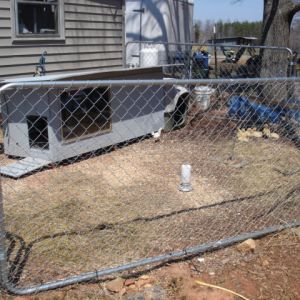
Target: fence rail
(96,165)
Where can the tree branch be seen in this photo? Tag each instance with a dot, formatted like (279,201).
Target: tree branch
(295,9)
(269,21)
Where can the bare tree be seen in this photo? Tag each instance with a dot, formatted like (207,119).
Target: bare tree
(295,34)
(277,19)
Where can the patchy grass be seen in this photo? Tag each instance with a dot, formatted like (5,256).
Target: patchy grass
(125,204)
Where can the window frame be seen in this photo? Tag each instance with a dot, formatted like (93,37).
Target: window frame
(105,91)
(60,36)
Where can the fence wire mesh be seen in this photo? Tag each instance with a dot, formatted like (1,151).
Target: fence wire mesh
(200,61)
(91,170)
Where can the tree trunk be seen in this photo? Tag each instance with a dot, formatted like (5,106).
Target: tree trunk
(276,31)
(278,15)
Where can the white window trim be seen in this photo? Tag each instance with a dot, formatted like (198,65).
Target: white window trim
(20,38)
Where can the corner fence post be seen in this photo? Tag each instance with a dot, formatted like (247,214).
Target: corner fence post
(3,264)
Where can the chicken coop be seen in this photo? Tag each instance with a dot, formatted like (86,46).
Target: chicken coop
(45,126)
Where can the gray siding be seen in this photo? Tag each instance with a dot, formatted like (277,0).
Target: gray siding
(93,40)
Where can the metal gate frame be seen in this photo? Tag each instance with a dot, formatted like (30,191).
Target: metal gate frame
(291,54)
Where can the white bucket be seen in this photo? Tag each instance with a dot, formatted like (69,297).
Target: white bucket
(149,57)
(201,95)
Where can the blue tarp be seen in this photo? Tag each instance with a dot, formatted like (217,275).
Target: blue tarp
(242,108)
(293,114)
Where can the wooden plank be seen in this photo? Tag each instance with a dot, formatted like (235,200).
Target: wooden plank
(23,167)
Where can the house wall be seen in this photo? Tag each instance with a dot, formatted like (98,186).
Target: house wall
(161,21)
(165,21)
(93,39)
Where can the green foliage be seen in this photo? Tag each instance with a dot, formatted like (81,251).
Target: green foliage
(233,29)
(226,29)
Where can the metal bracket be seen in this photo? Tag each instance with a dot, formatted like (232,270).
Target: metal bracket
(142,10)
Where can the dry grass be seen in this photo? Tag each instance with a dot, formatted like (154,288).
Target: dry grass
(121,205)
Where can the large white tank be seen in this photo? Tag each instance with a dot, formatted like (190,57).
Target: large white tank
(149,57)
(169,21)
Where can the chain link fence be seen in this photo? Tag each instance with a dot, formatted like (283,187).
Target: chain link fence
(91,173)
(200,61)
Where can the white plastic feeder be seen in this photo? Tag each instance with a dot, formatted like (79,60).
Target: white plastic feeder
(186,172)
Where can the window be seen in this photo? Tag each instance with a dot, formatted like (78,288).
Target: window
(37,18)
(85,113)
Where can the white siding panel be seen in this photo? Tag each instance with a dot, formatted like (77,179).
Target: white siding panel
(93,39)
(64,67)
(4,13)
(6,52)
(94,25)
(58,59)
(5,24)
(5,32)
(100,18)
(5,4)
(92,10)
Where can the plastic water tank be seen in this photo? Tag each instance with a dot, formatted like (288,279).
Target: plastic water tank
(149,57)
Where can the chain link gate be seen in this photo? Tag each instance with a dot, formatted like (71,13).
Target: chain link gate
(91,173)
(200,61)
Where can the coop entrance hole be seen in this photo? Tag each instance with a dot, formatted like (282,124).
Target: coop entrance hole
(38,132)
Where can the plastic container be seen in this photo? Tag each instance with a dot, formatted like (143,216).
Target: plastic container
(185,185)
(149,57)
(201,59)
(201,95)
(200,65)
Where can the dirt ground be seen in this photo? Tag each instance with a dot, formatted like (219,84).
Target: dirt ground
(122,204)
(271,271)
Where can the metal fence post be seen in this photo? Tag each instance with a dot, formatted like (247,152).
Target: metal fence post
(3,263)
